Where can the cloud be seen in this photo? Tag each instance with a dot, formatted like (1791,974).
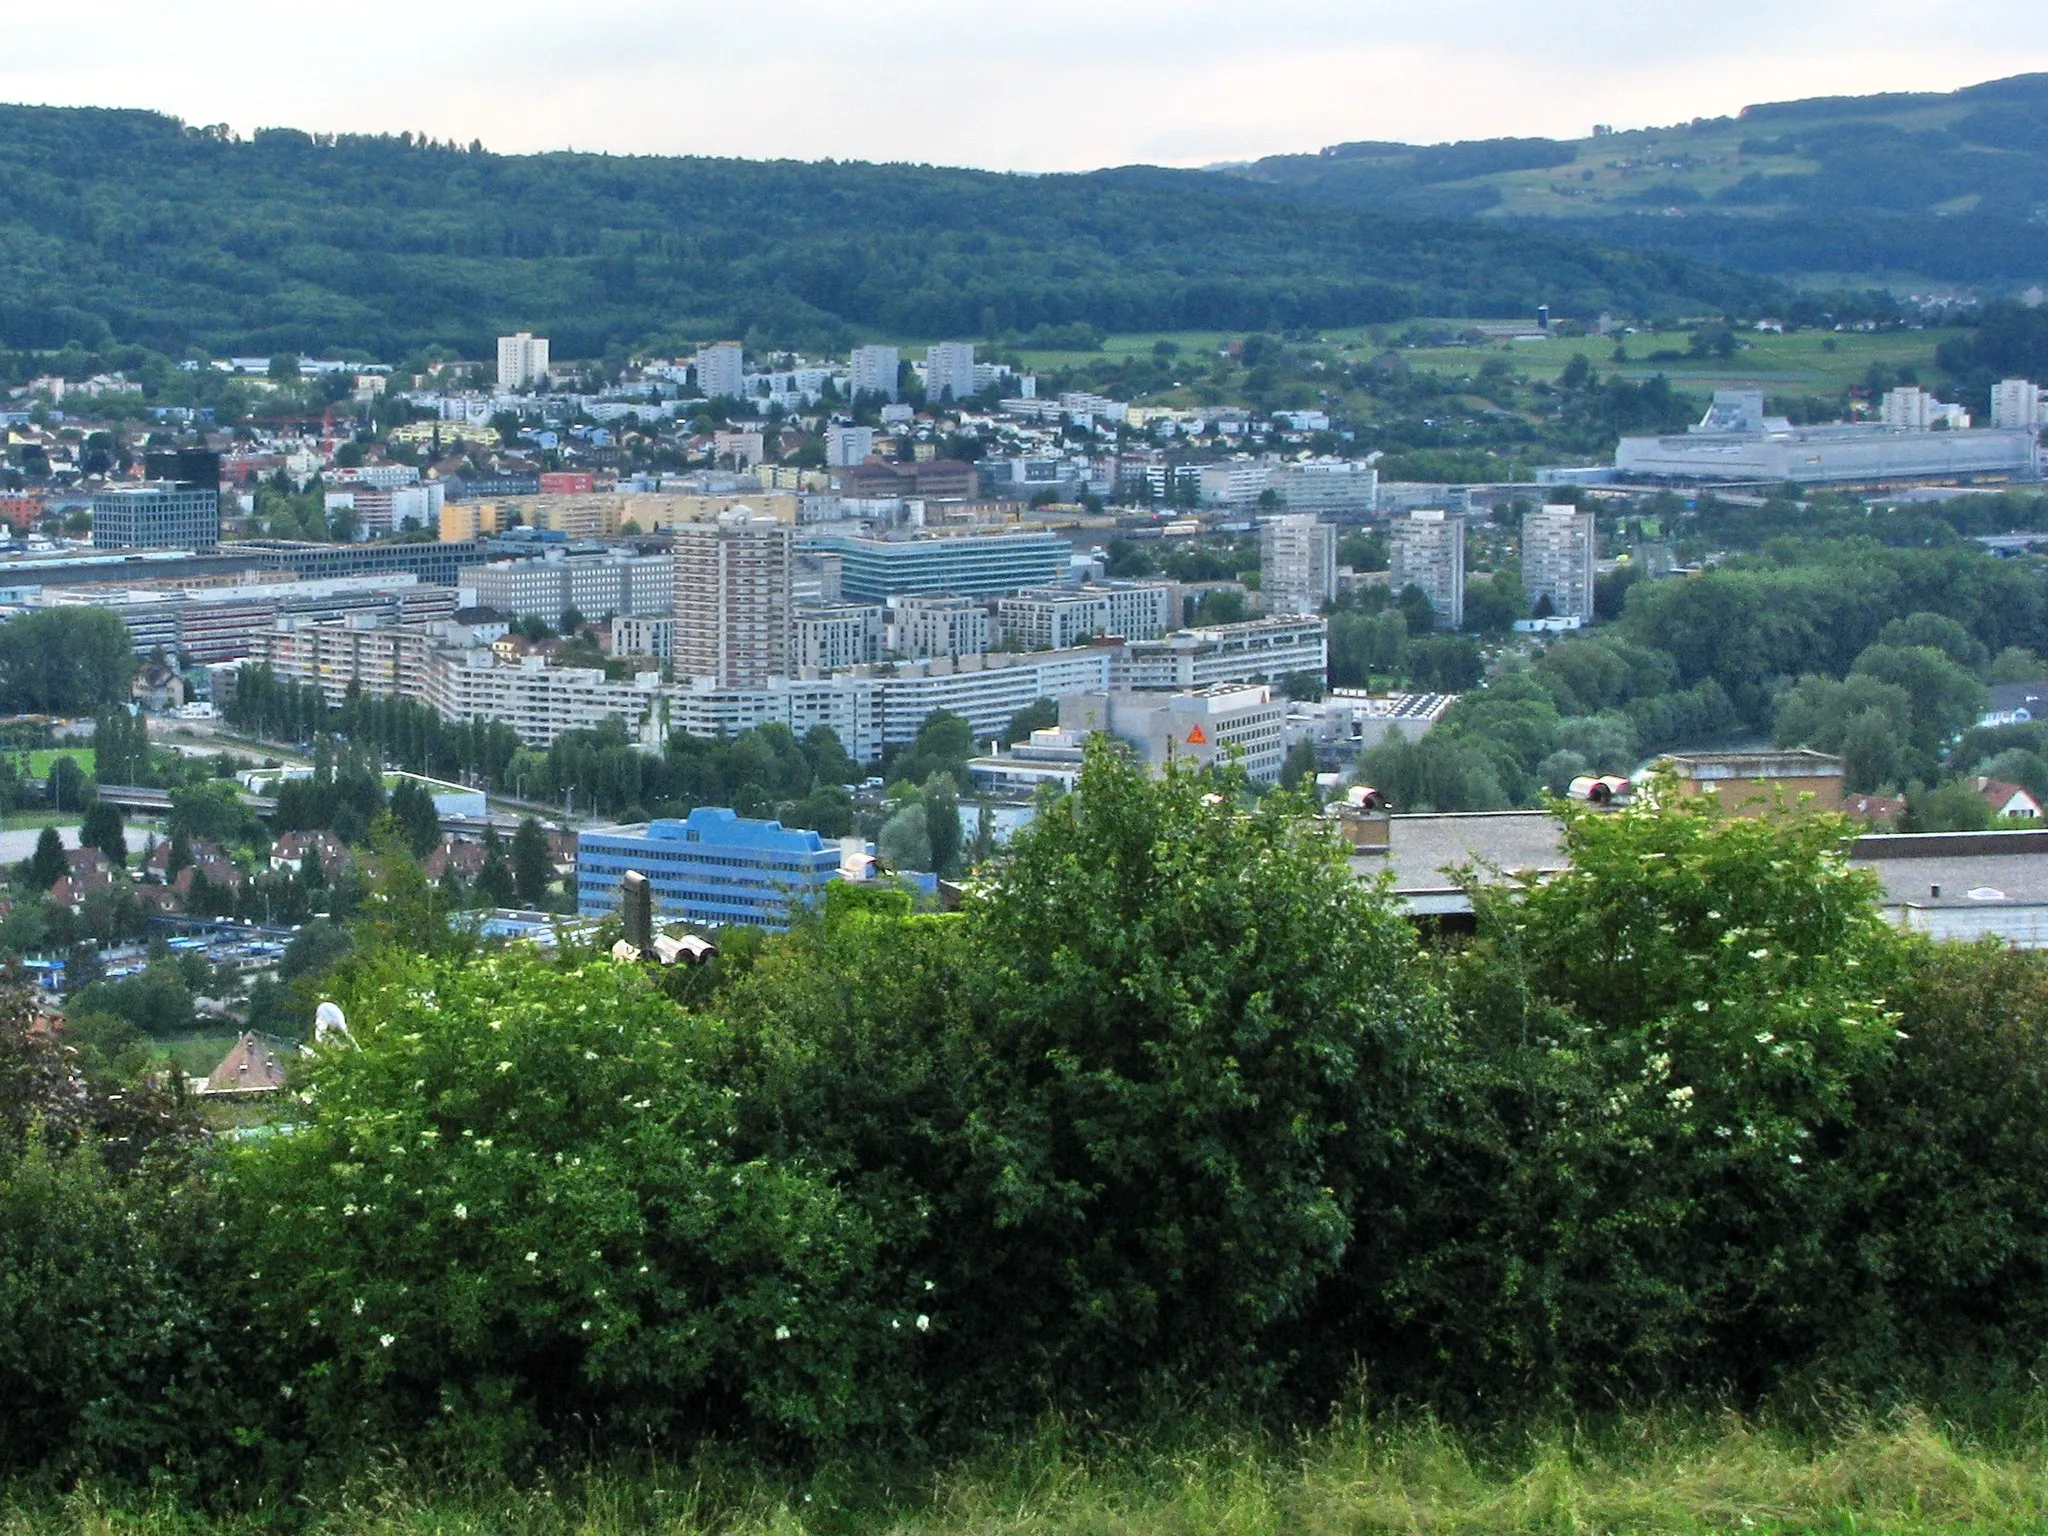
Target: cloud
(1058,85)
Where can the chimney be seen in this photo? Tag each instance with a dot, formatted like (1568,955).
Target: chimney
(637,908)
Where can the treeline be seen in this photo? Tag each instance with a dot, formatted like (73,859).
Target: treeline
(1174,1109)
(1844,644)
(388,244)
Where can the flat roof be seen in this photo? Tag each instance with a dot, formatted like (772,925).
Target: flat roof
(1423,851)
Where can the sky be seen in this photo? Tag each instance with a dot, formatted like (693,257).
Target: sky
(1020,85)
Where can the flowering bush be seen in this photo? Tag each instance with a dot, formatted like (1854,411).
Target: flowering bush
(515,1206)
(1636,1179)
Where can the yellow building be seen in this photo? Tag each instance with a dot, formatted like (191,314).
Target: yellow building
(1757,783)
(462,521)
(426,434)
(651,510)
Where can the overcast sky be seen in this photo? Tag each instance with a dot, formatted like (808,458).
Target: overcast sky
(1034,85)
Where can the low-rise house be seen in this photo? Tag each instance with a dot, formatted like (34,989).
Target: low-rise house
(464,855)
(288,853)
(2008,802)
(251,1067)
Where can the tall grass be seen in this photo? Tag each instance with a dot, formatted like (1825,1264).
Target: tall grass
(1679,1473)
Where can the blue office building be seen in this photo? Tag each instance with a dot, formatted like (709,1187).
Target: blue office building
(716,868)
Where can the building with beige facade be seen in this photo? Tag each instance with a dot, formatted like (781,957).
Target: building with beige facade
(732,599)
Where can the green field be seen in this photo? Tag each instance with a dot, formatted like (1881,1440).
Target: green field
(1803,360)
(1678,1473)
(36,764)
(1818,361)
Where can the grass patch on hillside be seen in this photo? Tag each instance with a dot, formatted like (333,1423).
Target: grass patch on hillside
(1800,362)
(196,1055)
(36,764)
(1677,1473)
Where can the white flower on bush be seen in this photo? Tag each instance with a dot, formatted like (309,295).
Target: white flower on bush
(461,1211)
(924,1323)
(781,1334)
(1681,1097)
(387,1339)
(532,1257)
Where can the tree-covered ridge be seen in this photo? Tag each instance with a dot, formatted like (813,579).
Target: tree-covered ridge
(1946,185)
(130,226)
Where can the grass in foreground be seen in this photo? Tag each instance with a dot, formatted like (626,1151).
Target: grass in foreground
(1680,1475)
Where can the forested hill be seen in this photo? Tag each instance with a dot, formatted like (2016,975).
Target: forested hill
(1949,186)
(131,227)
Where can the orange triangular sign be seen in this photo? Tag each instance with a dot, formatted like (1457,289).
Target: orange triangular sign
(1196,738)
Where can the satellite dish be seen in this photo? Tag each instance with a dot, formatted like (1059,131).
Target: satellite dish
(328,1022)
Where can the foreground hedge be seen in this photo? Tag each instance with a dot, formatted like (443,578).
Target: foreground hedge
(1174,1108)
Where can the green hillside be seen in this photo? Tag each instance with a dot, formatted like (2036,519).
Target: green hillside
(1942,187)
(130,227)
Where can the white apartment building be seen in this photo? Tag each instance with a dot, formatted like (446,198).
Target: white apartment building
(985,691)
(654,637)
(848,446)
(538,701)
(949,371)
(1327,487)
(1258,650)
(1235,483)
(1297,564)
(826,638)
(1912,409)
(522,360)
(383,660)
(938,626)
(612,584)
(875,372)
(847,706)
(1560,549)
(2016,405)
(1052,618)
(1427,552)
(732,599)
(721,371)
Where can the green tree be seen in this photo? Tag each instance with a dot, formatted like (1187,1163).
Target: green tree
(1041,715)
(533,870)
(68,660)
(942,824)
(904,841)
(47,865)
(1953,807)
(102,830)
(494,884)
(412,807)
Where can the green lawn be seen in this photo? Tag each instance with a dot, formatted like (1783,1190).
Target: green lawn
(1686,1474)
(20,821)
(1805,361)
(196,1054)
(36,765)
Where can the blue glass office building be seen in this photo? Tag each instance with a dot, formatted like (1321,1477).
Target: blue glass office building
(716,868)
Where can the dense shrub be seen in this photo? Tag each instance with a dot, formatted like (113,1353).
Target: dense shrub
(1174,1107)
(117,1325)
(1632,1182)
(515,1211)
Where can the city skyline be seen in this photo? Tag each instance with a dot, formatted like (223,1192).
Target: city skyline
(1056,88)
